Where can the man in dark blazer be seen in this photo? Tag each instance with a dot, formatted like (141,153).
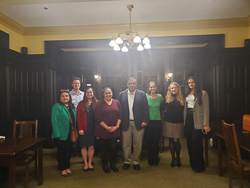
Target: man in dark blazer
(135,116)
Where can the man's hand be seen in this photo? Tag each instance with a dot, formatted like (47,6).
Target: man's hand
(143,124)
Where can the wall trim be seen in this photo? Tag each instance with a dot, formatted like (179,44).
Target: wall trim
(11,24)
(140,27)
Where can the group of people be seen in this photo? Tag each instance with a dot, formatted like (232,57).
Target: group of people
(132,117)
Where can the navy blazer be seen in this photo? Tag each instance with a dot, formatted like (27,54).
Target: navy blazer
(140,109)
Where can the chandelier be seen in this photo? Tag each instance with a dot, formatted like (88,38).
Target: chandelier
(129,38)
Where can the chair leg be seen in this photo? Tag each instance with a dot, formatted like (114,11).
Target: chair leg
(26,185)
(35,163)
(230,175)
(241,179)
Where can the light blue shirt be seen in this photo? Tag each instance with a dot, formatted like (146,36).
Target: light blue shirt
(76,98)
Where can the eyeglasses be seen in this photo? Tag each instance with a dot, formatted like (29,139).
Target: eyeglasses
(132,84)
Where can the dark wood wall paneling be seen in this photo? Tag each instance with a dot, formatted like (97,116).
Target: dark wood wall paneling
(32,82)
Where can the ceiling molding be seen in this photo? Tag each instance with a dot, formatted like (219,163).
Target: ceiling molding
(145,27)
(11,24)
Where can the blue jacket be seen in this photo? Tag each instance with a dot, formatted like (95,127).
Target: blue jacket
(140,109)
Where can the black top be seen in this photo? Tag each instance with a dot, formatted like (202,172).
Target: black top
(174,111)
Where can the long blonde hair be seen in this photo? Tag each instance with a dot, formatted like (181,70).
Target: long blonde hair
(179,96)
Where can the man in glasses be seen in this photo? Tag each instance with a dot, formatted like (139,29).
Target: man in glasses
(135,116)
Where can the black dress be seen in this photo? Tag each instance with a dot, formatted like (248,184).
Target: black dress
(88,139)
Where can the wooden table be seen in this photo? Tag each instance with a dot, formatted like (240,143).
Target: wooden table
(244,142)
(11,148)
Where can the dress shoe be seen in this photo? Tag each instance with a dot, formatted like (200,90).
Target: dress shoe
(150,162)
(137,167)
(178,162)
(156,162)
(106,168)
(172,164)
(113,167)
(91,169)
(64,173)
(69,172)
(125,166)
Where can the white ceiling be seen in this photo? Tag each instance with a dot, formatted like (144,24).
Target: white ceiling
(31,13)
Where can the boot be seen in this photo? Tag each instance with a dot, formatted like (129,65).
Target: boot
(113,167)
(106,168)
(178,161)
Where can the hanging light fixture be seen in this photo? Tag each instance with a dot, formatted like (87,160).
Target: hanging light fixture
(130,38)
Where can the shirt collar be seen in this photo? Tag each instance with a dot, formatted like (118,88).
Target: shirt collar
(131,93)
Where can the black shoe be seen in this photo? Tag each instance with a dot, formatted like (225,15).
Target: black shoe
(178,162)
(172,164)
(125,166)
(150,163)
(91,169)
(85,170)
(106,168)
(137,167)
(156,162)
(113,167)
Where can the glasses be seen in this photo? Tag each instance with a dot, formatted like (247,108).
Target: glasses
(132,84)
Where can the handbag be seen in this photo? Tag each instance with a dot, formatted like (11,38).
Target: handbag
(74,132)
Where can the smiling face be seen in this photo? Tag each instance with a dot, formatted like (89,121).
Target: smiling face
(76,84)
(191,83)
(152,88)
(174,89)
(64,97)
(107,94)
(89,93)
(131,85)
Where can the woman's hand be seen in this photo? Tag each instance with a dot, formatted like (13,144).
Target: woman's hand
(114,128)
(207,129)
(109,129)
(81,132)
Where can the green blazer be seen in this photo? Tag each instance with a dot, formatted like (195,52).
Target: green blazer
(60,121)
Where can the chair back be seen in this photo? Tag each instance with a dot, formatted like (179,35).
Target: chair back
(25,129)
(232,144)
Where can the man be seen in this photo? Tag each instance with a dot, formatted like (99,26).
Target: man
(135,116)
(75,93)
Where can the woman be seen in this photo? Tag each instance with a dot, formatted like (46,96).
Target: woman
(63,118)
(108,120)
(173,121)
(196,119)
(153,129)
(86,127)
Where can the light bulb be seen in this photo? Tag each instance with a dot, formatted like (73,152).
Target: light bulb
(119,40)
(117,48)
(124,48)
(140,48)
(137,39)
(145,40)
(112,43)
(147,46)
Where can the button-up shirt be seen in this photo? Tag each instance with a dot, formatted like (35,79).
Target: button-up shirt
(131,98)
(76,98)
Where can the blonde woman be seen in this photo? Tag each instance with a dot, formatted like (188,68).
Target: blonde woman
(173,121)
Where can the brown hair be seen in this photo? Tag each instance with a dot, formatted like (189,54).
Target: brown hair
(179,96)
(85,103)
(152,82)
(76,78)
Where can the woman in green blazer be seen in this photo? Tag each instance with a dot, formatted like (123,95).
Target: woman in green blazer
(63,117)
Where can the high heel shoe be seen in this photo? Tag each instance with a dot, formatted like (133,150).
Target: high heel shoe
(172,163)
(178,162)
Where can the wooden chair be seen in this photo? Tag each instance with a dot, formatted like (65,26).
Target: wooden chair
(26,131)
(233,153)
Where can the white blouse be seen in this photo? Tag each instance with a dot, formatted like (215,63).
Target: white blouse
(190,101)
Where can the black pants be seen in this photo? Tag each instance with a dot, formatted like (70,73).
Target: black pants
(108,149)
(152,135)
(64,148)
(194,143)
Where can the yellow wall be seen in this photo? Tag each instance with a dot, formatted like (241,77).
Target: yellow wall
(236,30)
(16,39)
